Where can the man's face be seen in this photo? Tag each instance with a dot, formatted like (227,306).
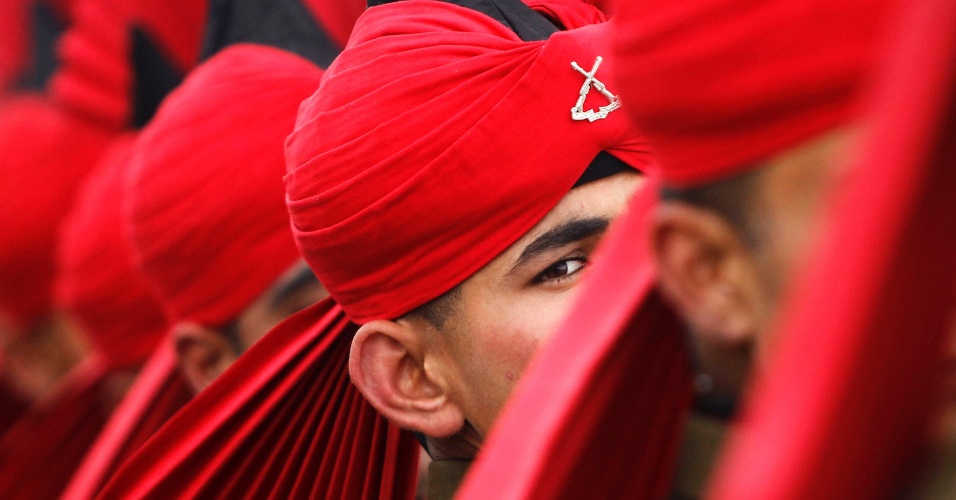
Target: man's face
(510,306)
(205,353)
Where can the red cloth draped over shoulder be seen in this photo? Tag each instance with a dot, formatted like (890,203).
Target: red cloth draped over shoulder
(40,453)
(46,153)
(98,284)
(600,411)
(95,78)
(158,393)
(284,421)
(843,409)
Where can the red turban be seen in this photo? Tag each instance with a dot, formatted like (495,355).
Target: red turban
(720,85)
(284,421)
(206,208)
(46,153)
(98,283)
(438,138)
(600,411)
(97,77)
(843,409)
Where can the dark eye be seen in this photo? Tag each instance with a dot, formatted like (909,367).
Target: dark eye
(562,269)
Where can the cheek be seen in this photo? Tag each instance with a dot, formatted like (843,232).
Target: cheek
(513,332)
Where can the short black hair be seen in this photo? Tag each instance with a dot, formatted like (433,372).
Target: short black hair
(734,199)
(437,311)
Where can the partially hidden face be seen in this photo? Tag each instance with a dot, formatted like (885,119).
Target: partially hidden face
(205,353)
(725,253)
(451,378)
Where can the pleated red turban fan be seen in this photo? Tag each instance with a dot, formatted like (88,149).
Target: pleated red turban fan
(284,421)
(438,138)
(844,409)
(600,411)
(46,153)
(721,85)
(98,283)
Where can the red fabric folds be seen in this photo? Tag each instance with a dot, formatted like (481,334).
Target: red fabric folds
(95,78)
(337,17)
(98,283)
(791,70)
(46,153)
(437,139)
(207,212)
(158,393)
(844,408)
(40,453)
(283,422)
(15,42)
(600,411)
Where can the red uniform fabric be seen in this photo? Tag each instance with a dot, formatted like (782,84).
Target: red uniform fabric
(98,283)
(207,213)
(96,77)
(158,393)
(438,138)
(600,411)
(283,422)
(39,454)
(46,153)
(844,408)
(337,17)
(791,70)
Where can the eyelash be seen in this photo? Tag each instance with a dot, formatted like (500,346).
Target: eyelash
(541,279)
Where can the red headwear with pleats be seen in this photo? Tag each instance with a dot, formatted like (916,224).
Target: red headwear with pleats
(437,140)
(284,421)
(98,283)
(843,410)
(46,153)
(206,209)
(720,85)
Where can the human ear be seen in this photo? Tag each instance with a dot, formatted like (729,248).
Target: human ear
(707,271)
(387,365)
(203,354)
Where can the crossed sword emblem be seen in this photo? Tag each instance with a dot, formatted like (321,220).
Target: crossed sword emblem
(578,112)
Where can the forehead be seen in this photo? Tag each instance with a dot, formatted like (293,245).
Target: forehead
(606,197)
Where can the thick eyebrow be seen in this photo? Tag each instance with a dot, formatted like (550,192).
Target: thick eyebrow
(566,233)
(283,290)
